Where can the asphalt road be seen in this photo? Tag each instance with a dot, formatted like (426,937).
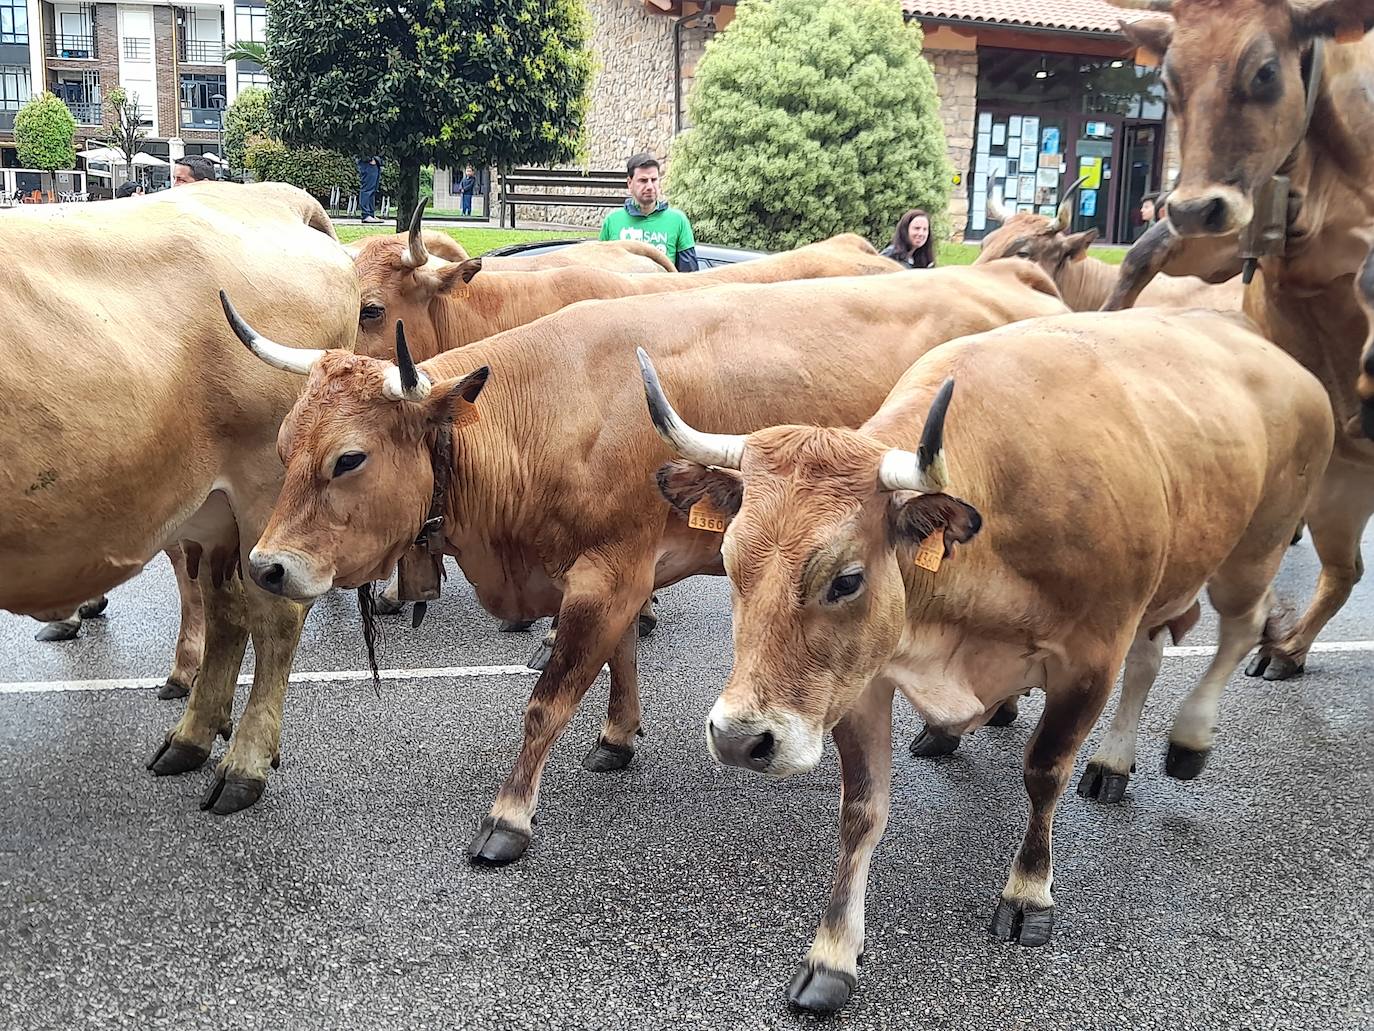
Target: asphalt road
(675,894)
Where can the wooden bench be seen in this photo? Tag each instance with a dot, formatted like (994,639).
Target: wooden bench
(520,186)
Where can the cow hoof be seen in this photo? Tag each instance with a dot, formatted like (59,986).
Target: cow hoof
(931,744)
(1257,665)
(94,609)
(1297,536)
(1004,716)
(175,757)
(541,655)
(1101,784)
(820,989)
(384,606)
(497,843)
(648,623)
(63,631)
(1184,763)
(1015,921)
(605,757)
(230,794)
(1283,668)
(173,689)
(515,626)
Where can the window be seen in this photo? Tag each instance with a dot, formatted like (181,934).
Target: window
(14,87)
(247,80)
(202,100)
(14,21)
(250,23)
(1065,82)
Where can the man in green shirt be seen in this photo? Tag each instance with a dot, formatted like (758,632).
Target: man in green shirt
(647,218)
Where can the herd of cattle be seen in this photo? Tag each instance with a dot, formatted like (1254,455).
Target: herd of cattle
(960,484)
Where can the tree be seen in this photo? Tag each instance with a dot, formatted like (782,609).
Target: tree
(45,134)
(246,118)
(810,118)
(126,131)
(247,50)
(437,81)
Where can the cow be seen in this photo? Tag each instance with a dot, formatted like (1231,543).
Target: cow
(1102,471)
(633,256)
(1084,281)
(143,429)
(1265,89)
(447,304)
(551,506)
(1365,290)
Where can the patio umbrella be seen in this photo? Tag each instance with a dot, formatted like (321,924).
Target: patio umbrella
(105,155)
(148,160)
(213,158)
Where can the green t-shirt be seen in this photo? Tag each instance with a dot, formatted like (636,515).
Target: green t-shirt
(666,229)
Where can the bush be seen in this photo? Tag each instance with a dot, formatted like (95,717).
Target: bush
(316,170)
(247,117)
(810,118)
(45,134)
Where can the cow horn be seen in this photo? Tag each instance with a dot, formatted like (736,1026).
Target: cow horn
(722,450)
(1064,216)
(996,209)
(403,381)
(415,255)
(1158,6)
(289,359)
(925,470)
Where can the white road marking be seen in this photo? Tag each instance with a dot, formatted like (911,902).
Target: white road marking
(338,676)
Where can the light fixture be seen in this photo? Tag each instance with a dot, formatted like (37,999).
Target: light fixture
(1042,72)
(1118,64)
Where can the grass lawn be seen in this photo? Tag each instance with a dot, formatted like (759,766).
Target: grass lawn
(965,253)
(475,240)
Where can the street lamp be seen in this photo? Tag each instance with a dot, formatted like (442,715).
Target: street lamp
(218,101)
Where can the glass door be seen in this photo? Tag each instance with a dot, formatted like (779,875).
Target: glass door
(1140,172)
(1093,161)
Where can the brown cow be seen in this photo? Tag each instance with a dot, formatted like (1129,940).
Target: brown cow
(1086,282)
(447,304)
(1116,465)
(633,256)
(1264,88)
(552,506)
(143,429)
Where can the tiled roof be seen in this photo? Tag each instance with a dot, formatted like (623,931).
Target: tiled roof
(1076,15)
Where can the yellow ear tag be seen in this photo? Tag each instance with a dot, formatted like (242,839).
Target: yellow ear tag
(1352,33)
(465,415)
(705,516)
(932,551)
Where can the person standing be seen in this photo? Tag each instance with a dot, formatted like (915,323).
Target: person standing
(911,243)
(467,186)
(369,175)
(650,219)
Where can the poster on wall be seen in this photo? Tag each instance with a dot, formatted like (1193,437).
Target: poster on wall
(1049,140)
(1090,171)
(1010,187)
(1027,156)
(997,168)
(1087,204)
(1014,126)
(1055,161)
(984,122)
(1047,177)
(999,134)
(1049,209)
(1027,190)
(1030,129)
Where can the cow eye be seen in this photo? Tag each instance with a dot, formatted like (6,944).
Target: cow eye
(347,462)
(846,585)
(1266,78)
(1023,253)
(372,312)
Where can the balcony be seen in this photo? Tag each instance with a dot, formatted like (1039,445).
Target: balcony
(78,48)
(138,48)
(207,118)
(200,51)
(84,112)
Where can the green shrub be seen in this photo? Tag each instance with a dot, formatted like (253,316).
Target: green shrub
(316,170)
(247,117)
(45,134)
(810,118)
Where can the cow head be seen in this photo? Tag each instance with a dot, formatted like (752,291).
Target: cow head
(1036,238)
(1236,72)
(400,279)
(358,450)
(823,523)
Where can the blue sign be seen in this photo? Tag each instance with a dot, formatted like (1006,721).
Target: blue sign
(1049,140)
(1087,204)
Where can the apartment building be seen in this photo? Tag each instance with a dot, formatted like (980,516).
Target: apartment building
(170,56)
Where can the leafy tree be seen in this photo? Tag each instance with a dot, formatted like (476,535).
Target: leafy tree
(45,134)
(247,117)
(810,118)
(126,131)
(499,82)
(247,50)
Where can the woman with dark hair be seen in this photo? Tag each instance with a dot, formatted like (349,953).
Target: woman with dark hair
(911,243)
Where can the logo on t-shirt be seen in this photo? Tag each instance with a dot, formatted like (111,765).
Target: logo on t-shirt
(654,238)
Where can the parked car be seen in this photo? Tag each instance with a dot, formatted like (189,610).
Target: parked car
(709,255)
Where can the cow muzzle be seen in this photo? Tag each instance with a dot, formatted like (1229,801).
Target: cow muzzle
(773,744)
(1218,211)
(288,574)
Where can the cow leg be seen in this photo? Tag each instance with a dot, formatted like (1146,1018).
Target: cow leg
(1336,522)
(60,629)
(826,978)
(1112,764)
(615,746)
(1006,713)
(1025,913)
(190,635)
(255,749)
(648,618)
(539,659)
(208,709)
(1194,728)
(599,605)
(387,602)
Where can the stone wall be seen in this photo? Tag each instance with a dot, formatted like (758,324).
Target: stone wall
(956,79)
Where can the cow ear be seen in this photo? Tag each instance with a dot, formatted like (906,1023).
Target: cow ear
(1078,244)
(455,401)
(683,484)
(1152,35)
(1344,20)
(913,517)
(458,273)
